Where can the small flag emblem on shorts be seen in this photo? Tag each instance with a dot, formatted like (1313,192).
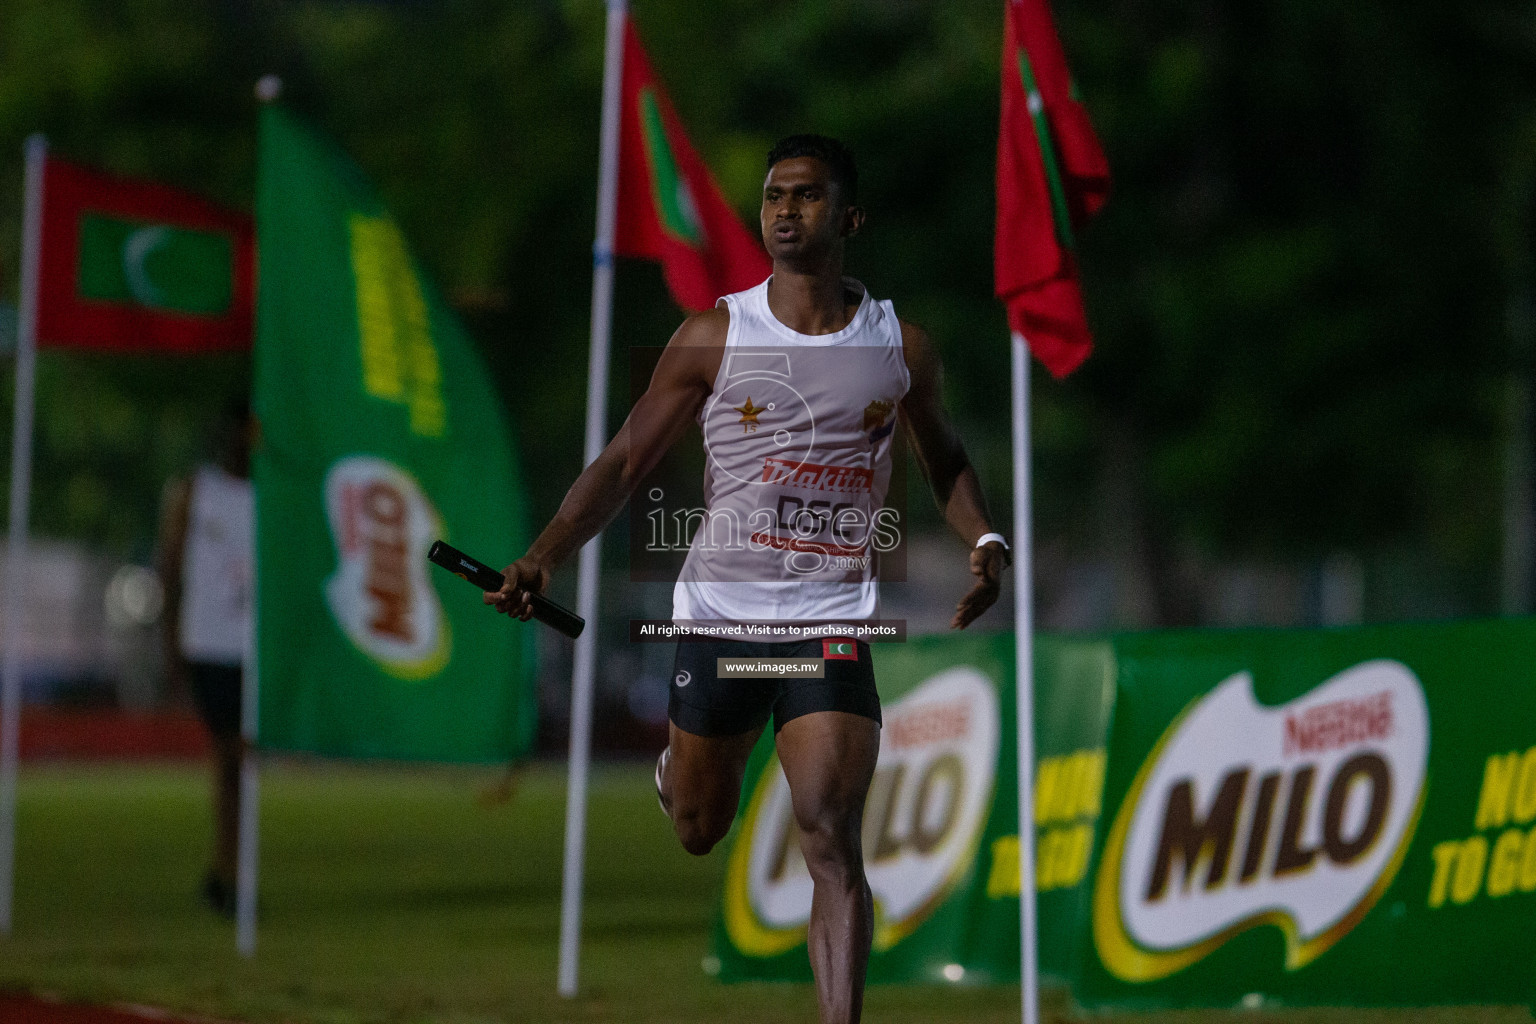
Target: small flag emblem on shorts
(840,650)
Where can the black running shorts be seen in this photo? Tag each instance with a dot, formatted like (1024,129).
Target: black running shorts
(706,703)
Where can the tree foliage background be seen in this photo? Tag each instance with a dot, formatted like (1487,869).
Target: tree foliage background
(1309,289)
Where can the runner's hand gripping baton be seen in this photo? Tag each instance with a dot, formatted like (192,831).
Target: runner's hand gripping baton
(488,579)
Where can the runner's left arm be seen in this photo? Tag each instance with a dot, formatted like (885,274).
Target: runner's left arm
(956,488)
(678,388)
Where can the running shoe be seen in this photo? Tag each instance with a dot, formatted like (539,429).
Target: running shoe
(661,766)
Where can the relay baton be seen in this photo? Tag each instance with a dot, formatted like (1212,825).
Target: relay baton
(483,576)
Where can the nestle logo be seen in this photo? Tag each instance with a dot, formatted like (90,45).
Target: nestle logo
(813,477)
(929,723)
(1339,723)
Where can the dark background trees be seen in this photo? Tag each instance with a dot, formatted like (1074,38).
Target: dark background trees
(1308,289)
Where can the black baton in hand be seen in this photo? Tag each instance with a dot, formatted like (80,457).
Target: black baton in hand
(489,580)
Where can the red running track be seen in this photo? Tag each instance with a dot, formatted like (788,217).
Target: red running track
(25,1009)
(48,733)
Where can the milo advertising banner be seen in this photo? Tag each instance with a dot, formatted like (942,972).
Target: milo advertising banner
(941,824)
(380,431)
(1323,817)
(1318,817)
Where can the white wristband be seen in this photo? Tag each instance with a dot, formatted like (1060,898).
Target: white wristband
(988,538)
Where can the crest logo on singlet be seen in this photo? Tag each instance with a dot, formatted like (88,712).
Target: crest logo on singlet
(757,382)
(926,811)
(380,595)
(750,413)
(878,421)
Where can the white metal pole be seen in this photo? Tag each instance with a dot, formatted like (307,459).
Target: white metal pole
(1024,717)
(269,89)
(249,808)
(21,500)
(585,665)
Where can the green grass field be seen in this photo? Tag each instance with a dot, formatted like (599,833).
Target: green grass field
(393,895)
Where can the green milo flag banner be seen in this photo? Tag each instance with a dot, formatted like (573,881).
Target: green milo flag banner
(1298,817)
(380,431)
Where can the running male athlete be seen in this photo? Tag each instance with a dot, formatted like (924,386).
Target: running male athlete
(797,384)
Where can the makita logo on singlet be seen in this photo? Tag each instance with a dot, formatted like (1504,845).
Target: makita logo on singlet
(813,477)
(835,533)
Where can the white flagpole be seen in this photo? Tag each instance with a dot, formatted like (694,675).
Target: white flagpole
(268,89)
(597,428)
(1024,717)
(21,500)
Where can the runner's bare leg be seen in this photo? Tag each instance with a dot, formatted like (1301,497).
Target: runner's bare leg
(701,785)
(829,759)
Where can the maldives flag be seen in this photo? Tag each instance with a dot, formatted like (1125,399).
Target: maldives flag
(670,210)
(132,266)
(1051,177)
(839,650)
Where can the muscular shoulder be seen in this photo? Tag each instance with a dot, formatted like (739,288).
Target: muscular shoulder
(917,349)
(703,330)
(693,355)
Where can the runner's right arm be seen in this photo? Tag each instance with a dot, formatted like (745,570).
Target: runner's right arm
(682,382)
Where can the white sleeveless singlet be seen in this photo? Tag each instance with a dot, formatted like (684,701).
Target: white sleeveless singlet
(216,568)
(797,444)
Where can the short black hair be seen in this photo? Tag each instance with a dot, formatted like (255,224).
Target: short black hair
(829,151)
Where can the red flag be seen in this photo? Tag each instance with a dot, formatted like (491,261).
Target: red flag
(1051,177)
(131,266)
(670,209)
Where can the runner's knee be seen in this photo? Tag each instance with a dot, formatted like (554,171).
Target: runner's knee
(699,829)
(832,848)
(701,820)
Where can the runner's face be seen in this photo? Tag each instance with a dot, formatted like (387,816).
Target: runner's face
(802,210)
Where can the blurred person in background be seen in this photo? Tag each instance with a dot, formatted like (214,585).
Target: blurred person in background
(857,371)
(205,561)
